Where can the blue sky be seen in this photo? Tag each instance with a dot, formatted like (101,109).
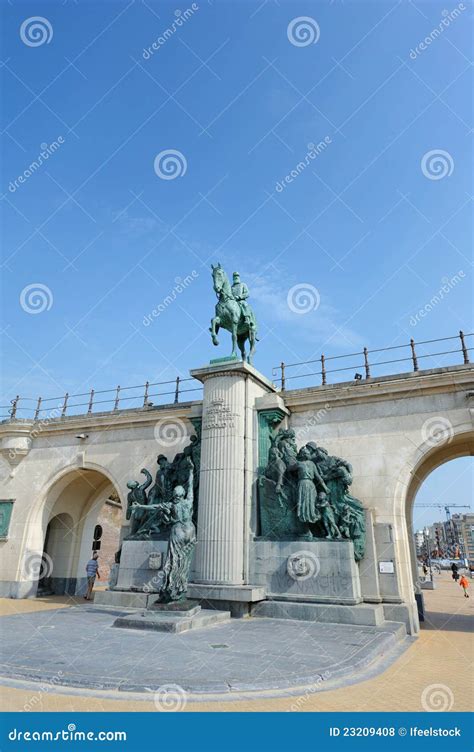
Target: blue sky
(366,223)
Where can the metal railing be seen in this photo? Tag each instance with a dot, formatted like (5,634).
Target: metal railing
(138,397)
(367,364)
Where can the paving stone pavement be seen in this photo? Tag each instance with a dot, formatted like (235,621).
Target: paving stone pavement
(79,646)
(441,655)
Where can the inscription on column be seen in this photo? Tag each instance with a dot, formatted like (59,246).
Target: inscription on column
(218,415)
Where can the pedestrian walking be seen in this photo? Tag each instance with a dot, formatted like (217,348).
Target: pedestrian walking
(92,570)
(454,569)
(464,583)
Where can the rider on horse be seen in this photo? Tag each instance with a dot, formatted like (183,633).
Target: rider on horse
(240,291)
(233,313)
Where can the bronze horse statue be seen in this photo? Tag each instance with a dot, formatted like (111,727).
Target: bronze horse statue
(229,315)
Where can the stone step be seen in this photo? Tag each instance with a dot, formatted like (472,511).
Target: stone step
(363,614)
(242,593)
(165,622)
(396,628)
(121,599)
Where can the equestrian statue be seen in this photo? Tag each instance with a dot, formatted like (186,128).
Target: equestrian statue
(233,313)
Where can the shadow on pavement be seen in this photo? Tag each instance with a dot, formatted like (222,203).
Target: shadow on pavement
(448,622)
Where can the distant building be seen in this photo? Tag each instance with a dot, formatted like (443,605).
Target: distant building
(448,539)
(419,542)
(466,525)
(419,538)
(454,537)
(454,528)
(438,536)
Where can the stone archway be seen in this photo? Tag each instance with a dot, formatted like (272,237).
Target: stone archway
(459,445)
(61,530)
(57,548)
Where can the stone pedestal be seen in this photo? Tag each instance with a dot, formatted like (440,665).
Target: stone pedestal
(177,617)
(428,585)
(319,571)
(140,565)
(228,471)
(113,576)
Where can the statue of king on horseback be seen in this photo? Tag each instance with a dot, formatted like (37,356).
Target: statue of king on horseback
(233,313)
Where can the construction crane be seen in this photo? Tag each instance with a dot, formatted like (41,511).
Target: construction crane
(446,507)
(458,544)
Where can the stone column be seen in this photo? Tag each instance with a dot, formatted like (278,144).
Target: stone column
(227,464)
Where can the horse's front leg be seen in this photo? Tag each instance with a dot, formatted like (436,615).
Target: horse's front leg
(252,345)
(215,322)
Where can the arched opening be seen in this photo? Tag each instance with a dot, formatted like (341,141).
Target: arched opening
(56,555)
(436,534)
(82,513)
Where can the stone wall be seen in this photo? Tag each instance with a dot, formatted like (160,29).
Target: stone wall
(110,518)
(71,465)
(385,427)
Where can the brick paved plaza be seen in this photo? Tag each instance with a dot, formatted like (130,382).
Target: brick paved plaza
(442,655)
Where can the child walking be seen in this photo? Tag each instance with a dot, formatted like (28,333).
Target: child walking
(464,584)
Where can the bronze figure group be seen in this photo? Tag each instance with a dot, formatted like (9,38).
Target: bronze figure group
(168,512)
(304,494)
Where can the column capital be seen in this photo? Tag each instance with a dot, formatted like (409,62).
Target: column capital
(273,416)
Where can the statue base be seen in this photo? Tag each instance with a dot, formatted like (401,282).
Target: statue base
(176,608)
(141,563)
(139,577)
(165,617)
(228,359)
(138,587)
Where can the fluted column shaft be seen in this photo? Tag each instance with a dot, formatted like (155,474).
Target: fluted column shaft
(221,521)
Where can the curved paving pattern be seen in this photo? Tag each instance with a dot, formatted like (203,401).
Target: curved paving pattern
(79,647)
(438,654)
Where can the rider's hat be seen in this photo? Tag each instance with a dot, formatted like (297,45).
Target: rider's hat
(236,274)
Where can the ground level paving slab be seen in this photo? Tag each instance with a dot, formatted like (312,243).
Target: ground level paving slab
(78,647)
(442,654)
